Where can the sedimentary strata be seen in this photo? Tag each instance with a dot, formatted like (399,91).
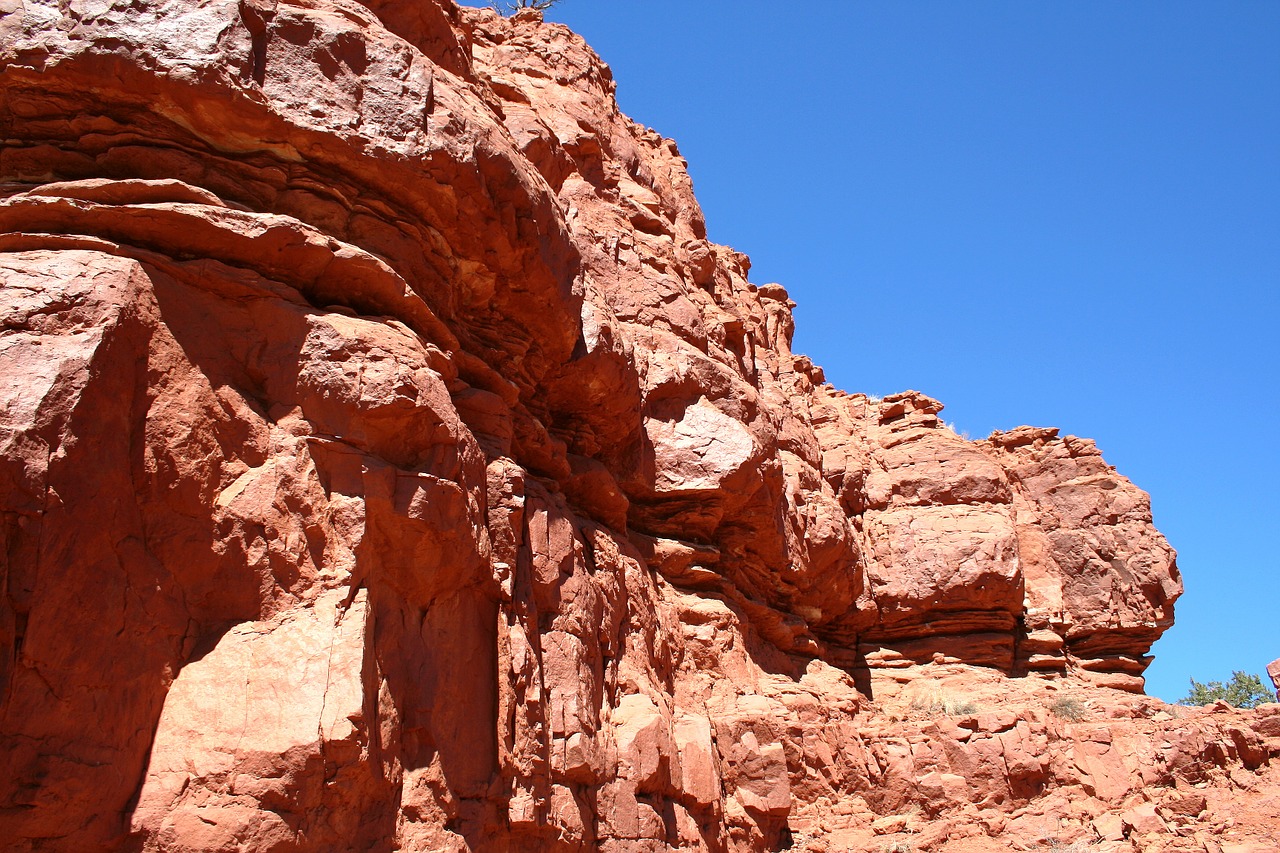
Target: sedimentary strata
(390,462)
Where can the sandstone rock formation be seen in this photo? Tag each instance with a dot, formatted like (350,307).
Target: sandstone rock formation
(390,462)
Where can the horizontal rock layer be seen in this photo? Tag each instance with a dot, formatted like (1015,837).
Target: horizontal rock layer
(390,462)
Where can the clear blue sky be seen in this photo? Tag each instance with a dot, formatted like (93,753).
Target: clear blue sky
(1055,213)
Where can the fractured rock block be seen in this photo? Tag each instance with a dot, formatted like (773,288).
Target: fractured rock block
(253,732)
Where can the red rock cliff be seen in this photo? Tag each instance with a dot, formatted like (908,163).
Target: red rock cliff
(389,462)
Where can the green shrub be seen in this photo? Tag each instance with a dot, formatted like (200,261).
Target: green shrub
(1242,691)
(510,7)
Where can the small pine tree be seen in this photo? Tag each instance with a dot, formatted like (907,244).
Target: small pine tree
(1242,691)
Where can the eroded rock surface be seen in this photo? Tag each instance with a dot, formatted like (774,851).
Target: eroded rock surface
(390,462)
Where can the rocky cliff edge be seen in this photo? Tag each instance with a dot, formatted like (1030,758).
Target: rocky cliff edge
(390,462)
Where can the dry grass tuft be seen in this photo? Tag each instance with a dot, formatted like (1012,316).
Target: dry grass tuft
(935,700)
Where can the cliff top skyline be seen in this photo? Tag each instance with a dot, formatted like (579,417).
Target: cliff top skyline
(1053,214)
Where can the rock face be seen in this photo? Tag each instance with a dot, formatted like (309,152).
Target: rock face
(389,462)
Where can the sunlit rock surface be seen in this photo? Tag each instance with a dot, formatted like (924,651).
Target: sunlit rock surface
(390,463)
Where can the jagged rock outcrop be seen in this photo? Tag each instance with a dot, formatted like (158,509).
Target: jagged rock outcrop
(390,462)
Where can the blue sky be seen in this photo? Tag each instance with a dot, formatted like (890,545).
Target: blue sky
(1055,213)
